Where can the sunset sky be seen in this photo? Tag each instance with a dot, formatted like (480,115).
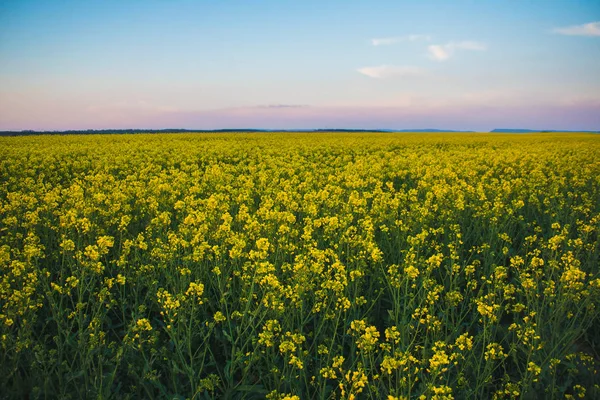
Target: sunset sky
(465,65)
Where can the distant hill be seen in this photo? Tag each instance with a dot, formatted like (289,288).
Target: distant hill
(508,130)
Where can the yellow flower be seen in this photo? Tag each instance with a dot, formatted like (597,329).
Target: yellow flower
(72,281)
(195,290)
(532,367)
(464,342)
(219,317)
(442,393)
(67,245)
(494,351)
(440,359)
(143,324)
(412,272)
(120,279)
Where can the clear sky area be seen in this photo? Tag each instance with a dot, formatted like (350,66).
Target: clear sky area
(463,65)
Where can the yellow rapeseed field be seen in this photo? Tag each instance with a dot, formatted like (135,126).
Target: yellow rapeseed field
(300,266)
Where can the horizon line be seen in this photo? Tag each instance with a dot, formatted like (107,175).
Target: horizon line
(24,132)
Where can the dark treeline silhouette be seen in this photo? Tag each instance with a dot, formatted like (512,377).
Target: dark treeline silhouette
(119,131)
(134,131)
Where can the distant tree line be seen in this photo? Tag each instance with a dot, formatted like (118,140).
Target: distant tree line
(119,131)
(134,131)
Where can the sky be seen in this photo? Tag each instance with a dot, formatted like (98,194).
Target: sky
(155,64)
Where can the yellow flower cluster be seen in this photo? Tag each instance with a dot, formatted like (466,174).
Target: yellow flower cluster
(366,336)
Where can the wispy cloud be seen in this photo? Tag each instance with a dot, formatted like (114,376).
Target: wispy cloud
(390,71)
(284,106)
(589,29)
(442,52)
(399,39)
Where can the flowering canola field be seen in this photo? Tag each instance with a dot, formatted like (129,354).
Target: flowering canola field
(300,266)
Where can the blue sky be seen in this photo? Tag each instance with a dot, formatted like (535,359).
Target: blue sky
(473,65)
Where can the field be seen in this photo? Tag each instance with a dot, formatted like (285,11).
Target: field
(300,266)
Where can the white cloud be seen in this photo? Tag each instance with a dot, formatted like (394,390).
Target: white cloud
(589,29)
(399,39)
(439,52)
(442,52)
(389,71)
